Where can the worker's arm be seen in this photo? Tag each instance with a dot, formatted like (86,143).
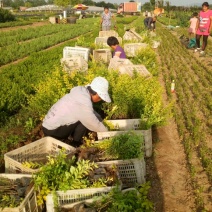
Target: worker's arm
(197,25)
(210,27)
(88,118)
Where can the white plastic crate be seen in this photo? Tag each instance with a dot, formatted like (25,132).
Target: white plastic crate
(155,44)
(116,62)
(69,51)
(102,55)
(72,196)
(74,63)
(131,171)
(131,49)
(102,41)
(108,33)
(132,35)
(124,125)
(130,69)
(36,152)
(29,204)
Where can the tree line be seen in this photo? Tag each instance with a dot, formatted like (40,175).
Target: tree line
(149,6)
(34,3)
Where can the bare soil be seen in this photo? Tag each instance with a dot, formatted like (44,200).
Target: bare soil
(171,189)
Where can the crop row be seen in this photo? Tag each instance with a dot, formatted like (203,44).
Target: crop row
(20,35)
(17,51)
(15,23)
(19,79)
(193,94)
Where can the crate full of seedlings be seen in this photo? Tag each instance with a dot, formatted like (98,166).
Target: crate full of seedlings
(75,63)
(102,55)
(70,51)
(116,62)
(131,35)
(69,179)
(124,151)
(108,33)
(131,69)
(131,49)
(29,158)
(120,126)
(17,194)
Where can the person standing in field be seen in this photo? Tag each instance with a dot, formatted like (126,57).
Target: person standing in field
(193,24)
(106,19)
(203,28)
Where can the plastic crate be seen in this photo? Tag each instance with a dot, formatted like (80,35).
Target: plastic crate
(155,44)
(76,51)
(124,125)
(75,196)
(102,41)
(131,49)
(102,55)
(131,172)
(36,152)
(116,62)
(132,36)
(29,204)
(74,63)
(108,33)
(130,69)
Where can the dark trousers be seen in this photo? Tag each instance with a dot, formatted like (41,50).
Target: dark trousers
(205,41)
(76,131)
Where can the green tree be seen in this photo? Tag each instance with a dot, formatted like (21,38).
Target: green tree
(88,2)
(147,6)
(6,15)
(167,6)
(65,3)
(28,4)
(152,2)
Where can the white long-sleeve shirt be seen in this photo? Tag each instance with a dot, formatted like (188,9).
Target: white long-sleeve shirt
(73,107)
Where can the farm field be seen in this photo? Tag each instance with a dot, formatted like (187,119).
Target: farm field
(180,170)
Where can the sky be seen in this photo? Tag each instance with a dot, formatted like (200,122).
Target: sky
(173,2)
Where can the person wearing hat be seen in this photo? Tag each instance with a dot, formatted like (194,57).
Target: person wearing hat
(73,115)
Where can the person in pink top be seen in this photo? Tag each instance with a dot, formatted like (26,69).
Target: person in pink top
(203,28)
(193,24)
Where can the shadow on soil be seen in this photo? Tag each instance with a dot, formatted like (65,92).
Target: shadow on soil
(156,192)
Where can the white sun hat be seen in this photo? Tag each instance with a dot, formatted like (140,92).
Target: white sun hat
(100,86)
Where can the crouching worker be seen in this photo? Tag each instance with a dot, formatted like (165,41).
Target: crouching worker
(114,44)
(73,115)
(150,22)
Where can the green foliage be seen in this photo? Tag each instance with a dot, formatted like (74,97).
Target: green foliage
(65,3)
(62,173)
(48,92)
(14,23)
(124,146)
(182,19)
(135,200)
(148,58)
(17,81)
(6,15)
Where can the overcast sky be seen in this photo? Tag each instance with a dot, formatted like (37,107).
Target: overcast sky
(173,2)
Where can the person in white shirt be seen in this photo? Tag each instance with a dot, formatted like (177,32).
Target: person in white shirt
(73,115)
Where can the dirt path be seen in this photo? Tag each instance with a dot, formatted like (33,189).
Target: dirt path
(171,184)
(36,24)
